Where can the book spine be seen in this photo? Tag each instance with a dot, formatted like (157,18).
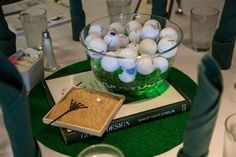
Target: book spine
(117,124)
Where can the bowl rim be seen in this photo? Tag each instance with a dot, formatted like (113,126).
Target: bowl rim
(180,39)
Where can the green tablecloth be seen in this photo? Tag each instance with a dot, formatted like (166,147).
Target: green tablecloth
(147,139)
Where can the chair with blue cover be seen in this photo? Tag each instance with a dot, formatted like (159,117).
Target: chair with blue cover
(13,99)
(159,7)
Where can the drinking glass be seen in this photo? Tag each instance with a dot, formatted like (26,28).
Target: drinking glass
(118,7)
(101,150)
(230,136)
(202,27)
(34,21)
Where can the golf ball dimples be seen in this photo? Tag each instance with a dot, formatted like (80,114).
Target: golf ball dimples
(133,25)
(147,46)
(126,77)
(129,60)
(110,64)
(118,27)
(168,31)
(166,43)
(124,40)
(97,29)
(113,40)
(161,63)
(150,32)
(145,65)
(134,36)
(153,22)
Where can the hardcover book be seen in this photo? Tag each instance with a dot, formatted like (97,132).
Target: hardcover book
(169,103)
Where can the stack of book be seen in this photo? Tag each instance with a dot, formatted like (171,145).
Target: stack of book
(169,103)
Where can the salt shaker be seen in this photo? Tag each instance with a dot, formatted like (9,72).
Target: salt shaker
(50,63)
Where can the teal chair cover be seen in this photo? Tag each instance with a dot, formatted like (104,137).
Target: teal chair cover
(224,38)
(7,38)
(13,99)
(200,126)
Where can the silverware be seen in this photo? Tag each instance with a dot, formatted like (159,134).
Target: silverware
(179,10)
(56,18)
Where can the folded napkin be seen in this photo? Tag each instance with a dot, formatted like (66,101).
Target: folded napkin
(224,38)
(16,111)
(200,126)
(7,38)
(77,18)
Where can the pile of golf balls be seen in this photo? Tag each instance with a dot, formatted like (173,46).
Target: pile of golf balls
(135,47)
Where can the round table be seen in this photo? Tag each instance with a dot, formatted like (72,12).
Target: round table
(146,139)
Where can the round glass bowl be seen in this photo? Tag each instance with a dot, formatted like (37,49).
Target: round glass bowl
(101,150)
(132,58)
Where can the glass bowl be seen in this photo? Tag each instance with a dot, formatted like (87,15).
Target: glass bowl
(132,58)
(101,150)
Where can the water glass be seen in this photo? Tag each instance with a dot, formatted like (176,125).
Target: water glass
(34,21)
(101,150)
(230,137)
(202,27)
(118,7)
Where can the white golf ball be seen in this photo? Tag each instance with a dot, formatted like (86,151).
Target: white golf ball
(125,77)
(118,27)
(98,45)
(113,40)
(134,36)
(90,37)
(145,65)
(168,31)
(94,55)
(129,60)
(147,46)
(110,64)
(97,29)
(150,32)
(153,22)
(161,63)
(124,40)
(133,25)
(166,43)
(134,46)
(131,71)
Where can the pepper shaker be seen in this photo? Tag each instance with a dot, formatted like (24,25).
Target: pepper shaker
(50,63)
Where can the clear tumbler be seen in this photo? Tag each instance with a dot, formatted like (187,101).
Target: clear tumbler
(230,137)
(202,27)
(118,7)
(34,21)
